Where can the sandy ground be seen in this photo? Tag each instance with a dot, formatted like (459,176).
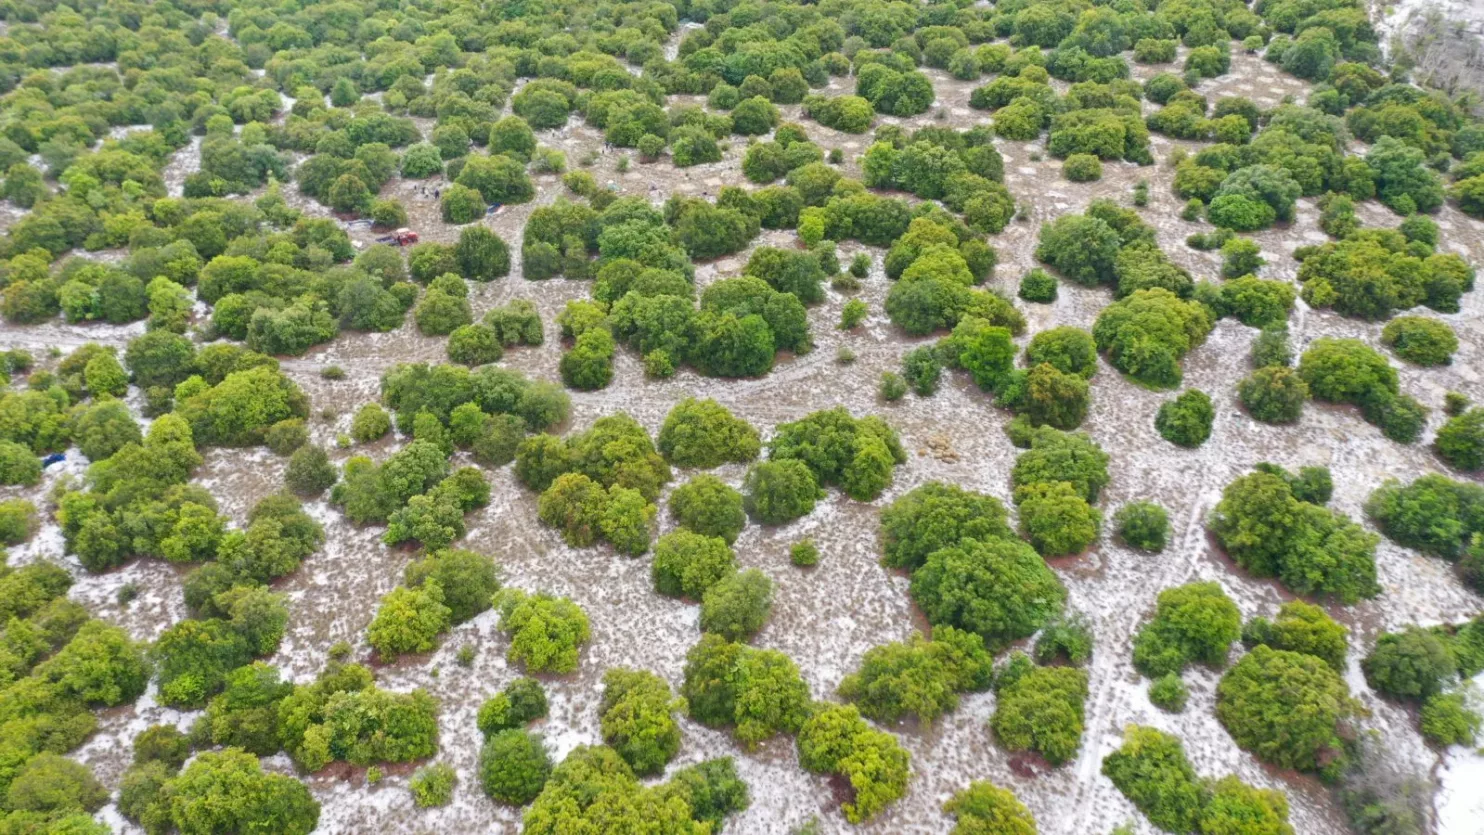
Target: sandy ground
(828,616)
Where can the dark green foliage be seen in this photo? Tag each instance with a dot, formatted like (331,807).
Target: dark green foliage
(1311,549)
(514,766)
(737,606)
(1192,623)
(1040,709)
(1066,637)
(1434,513)
(918,677)
(1142,525)
(521,702)
(1168,693)
(1186,420)
(997,587)
(1412,664)
(1152,771)
(778,492)
(1147,333)
(1038,286)
(923,369)
(936,516)
(1460,443)
(1273,394)
(310,471)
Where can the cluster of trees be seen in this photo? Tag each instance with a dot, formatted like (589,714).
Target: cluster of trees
(1436,515)
(644,296)
(1039,709)
(962,169)
(858,455)
(1192,623)
(594,788)
(1289,709)
(969,572)
(442,589)
(834,739)
(935,265)
(1153,772)
(1373,273)
(59,665)
(1431,668)
(413,491)
(919,677)
(1340,370)
(1269,529)
(513,762)
(1057,481)
(600,484)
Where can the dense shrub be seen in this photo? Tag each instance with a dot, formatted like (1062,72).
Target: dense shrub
(514,766)
(1286,708)
(635,716)
(686,564)
(1311,549)
(985,807)
(1460,442)
(919,677)
(1273,394)
(704,434)
(1186,420)
(1420,340)
(996,587)
(835,739)
(1142,525)
(1412,664)
(1146,334)
(1301,627)
(1192,623)
(545,632)
(737,606)
(1152,771)
(521,702)
(936,516)
(1434,513)
(1040,709)
(756,692)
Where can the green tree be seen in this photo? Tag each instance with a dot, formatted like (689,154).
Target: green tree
(704,434)
(514,766)
(999,588)
(1285,708)
(707,506)
(636,719)
(1196,622)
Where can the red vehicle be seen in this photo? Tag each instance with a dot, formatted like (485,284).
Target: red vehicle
(401,237)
